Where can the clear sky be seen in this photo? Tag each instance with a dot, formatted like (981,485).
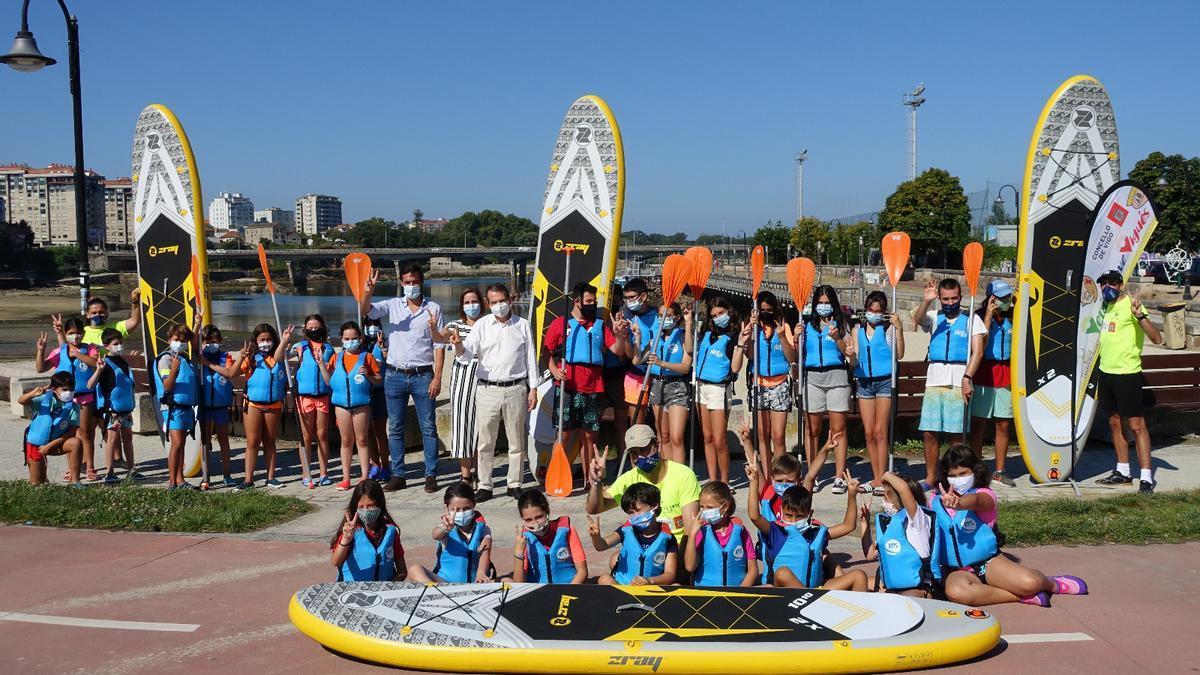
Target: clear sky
(453,106)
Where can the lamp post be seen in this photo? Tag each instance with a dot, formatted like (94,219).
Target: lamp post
(1162,182)
(24,57)
(1000,201)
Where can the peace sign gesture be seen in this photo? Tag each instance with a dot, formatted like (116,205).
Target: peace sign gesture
(949,498)
(371,281)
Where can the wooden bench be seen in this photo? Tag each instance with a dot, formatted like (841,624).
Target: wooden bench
(1172,381)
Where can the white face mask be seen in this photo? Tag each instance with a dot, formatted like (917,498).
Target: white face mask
(471,309)
(889,509)
(116,350)
(500,310)
(176,346)
(961,484)
(539,527)
(411,292)
(66,396)
(710,516)
(73,338)
(265,347)
(874,317)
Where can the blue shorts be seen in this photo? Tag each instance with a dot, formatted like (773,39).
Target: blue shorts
(217,416)
(180,418)
(874,387)
(378,404)
(942,410)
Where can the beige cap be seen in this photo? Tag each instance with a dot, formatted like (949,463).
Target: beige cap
(639,436)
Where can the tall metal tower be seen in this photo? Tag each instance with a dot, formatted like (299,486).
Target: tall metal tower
(800,157)
(913,100)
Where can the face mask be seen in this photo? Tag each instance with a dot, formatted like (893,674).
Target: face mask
(889,509)
(265,347)
(647,463)
(211,350)
(642,520)
(539,527)
(98,320)
(721,321)
(668,324)
(710,516)
(116,350)
(874,318)
(1109,293)
(73,339)
(950,308)
(766,316)
(411,292)
(369,516)
(464,518)
(315,334)
(372,331)
(66,396)
(800,525)
(471,309)
(634,305)
(782,487)
(961,484)
(351,344)
(588,312)
(176,346)
(1004,306)
(500,310)
(824,309)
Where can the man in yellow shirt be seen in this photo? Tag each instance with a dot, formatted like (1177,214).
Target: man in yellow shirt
(97,321)
(1123,330)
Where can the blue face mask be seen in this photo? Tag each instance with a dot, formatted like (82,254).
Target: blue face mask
(634,305)
(1110,294)
(98,320)
(950,307)
(471,309)
(647,463)
(212,349)
(351,345)
(824,309)
(642,520)
(782,487)
(668,324)
(721,321)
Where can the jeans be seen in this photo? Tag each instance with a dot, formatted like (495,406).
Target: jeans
(397,387)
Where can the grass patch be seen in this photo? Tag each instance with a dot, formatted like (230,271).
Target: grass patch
(1166,517)
(129,507)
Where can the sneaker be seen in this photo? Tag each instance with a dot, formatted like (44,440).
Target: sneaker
(229,482)
(394,483)
(373,473)
(118,463)
(839,487)
(136,475)
(244,486)
(1069,585)
(308,482)
(926,487)
(513,492)
(188,486)
(172,488)
(273,483)
(1005,480)
(1115,478)
(325,480)
(1041,600)
(431,484)
(344,485)
(1146,487)
(483,495)
(111,478)
(383,475)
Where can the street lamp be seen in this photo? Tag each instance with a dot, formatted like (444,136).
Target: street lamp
(1000,201)
(25,57)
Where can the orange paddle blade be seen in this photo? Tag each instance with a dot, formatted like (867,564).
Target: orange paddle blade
(262,260)
(676,273)
(358,271)
(196,282)
(800,275)
(702,262)
(895,255)
(756,269)
(972,263)
(558,474)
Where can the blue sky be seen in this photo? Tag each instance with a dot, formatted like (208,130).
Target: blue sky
(453,106)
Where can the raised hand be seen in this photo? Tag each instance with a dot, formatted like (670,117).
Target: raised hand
(245,350)
(41,341)
(519,546)
(1135,305)
(56,323)
(949,498)
(930,290)
(833,440)
(991,306)
(135,295)
(286,336)
(371,281)
(453,337)
(744,334)
(851,482)
(752,471)
(687,314)
(349,523)
(599,467)
(594,526)
(447,522)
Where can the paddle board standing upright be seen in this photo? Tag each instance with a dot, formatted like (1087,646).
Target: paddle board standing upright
(1073,159)
(168,218)
(583,201)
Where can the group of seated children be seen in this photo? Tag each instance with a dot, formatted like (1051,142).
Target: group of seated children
(947,545)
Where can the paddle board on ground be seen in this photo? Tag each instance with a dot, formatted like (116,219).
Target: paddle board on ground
(537,628)
(1073,159)
(168,230)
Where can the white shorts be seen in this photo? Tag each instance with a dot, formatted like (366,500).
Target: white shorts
(827,399)
(714,396)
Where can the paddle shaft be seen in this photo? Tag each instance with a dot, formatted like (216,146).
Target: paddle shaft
(562,384)
(692,410)
(970,344)
(895,396)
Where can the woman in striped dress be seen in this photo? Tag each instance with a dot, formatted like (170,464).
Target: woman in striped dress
(462,388)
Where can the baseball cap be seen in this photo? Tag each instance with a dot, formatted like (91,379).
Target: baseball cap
(1111,277)
(999,288)
(639,436)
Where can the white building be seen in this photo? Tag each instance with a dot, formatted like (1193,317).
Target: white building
(275,216)
(317,213)
(45,200)
(230,210)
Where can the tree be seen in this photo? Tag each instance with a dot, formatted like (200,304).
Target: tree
(1177,202)
(808,233)
(843,242)
(370,233)
(932,209)
(710,239)
(418,216)
(776,238)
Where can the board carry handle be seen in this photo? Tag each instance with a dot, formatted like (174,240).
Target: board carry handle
(637,606)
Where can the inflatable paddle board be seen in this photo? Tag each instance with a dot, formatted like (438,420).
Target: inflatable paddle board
(535,628)
(168,231)
(1073,159)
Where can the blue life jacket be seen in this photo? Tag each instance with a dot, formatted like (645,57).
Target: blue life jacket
(874,354)
(820,350)
(308,377)
(770,354)
(722,565)
(81,370)
(350,390)
(670,350)
(50,421)
(647,324)
(641,560)
(585,345)
(999,341)
(550,565)
(218,390)
(965,539)
(948,342)
(900,567)
(458,558)
(377,352)
(266,384)
(368,562)
(800,553)
(186,391)
(120,398)
(713,364)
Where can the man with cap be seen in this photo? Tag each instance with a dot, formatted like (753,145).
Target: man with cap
(676,483)
(992,398)
(1124,325)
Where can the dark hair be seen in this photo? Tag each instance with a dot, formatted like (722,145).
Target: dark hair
(785,463)
(532,497)
(210,331)
(838,317)
(722,492)
(876,296)
(636,285)
(97,300)
(949,284)
(723,302)
(318,318)
(265,328)
(499,288)
(371,489)
(459,489)
(368,321)
(677,310)
(581,288)
(642,493)
(963,456)
(109,335)
(181,331)
(350,325)
(63,378)
(73,323)
(463,298)
(768,298)
(413,268)
(615,297)
(797,498)
(914,488)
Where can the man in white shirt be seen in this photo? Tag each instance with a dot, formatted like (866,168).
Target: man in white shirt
(948,378)
(503,345)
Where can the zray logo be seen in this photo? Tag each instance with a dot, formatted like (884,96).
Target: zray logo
(1083,118)
(564,607)
(155,250)
(559,245)
(583,134)
(360,599)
